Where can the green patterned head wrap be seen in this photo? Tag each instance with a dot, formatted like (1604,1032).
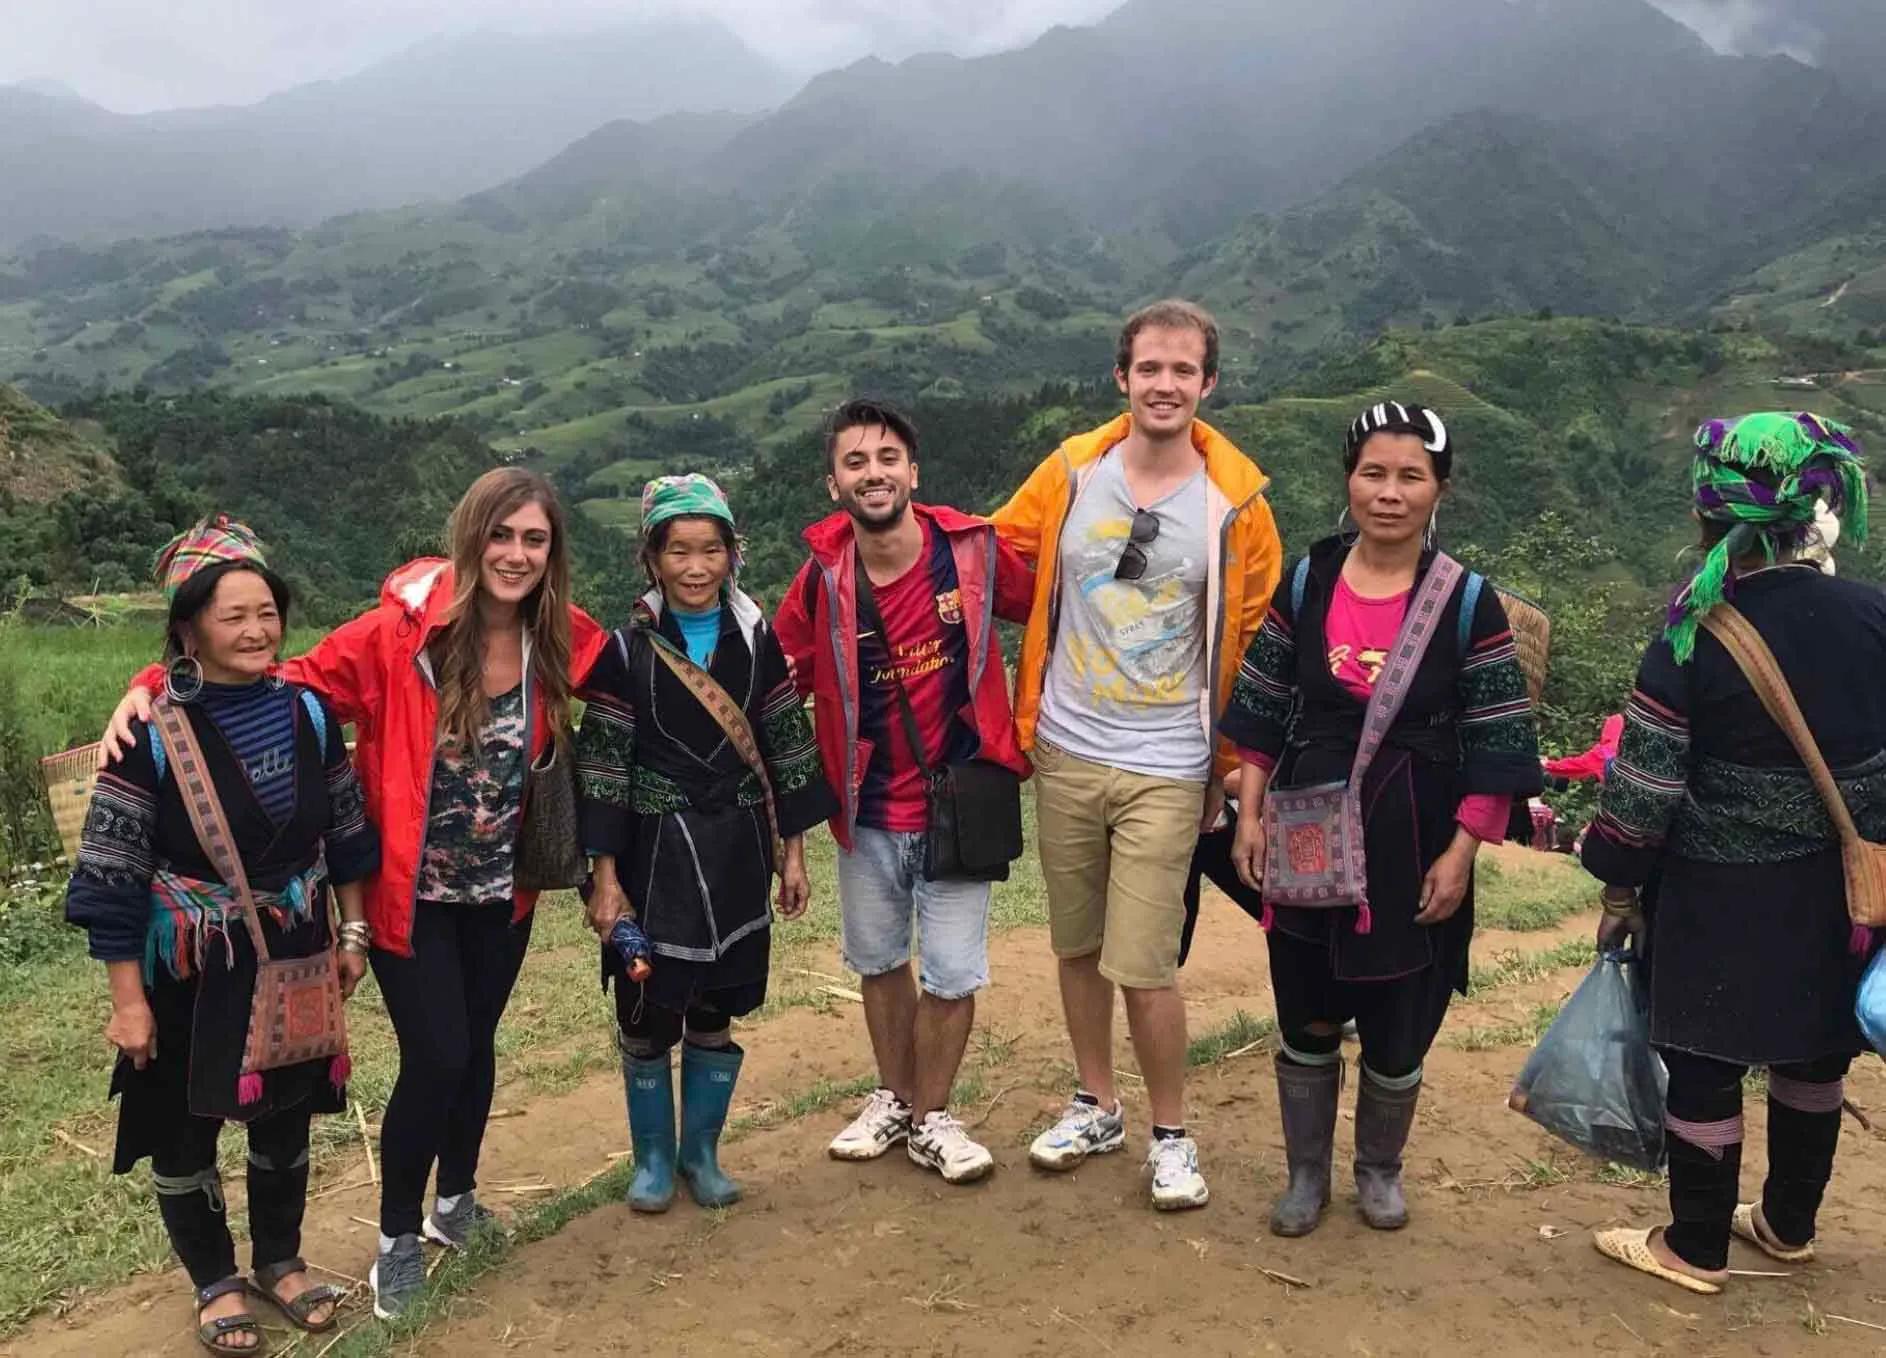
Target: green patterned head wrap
(1806,458)
(676,497)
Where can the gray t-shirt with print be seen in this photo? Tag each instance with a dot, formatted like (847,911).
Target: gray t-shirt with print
(1128,664)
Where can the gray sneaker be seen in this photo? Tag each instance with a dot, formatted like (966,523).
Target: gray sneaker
(1083,1130)
(398,1278)
(455,1229)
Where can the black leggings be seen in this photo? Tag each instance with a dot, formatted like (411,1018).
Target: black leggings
(647,1031)
(1396,1019)
(190,1192)
(445,1002)
(1704,1118)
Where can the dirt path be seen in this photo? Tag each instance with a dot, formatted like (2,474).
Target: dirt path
(824,1258)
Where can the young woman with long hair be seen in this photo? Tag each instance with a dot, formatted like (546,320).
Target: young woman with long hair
(456,684)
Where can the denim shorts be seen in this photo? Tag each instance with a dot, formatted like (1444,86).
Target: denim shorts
(881,892)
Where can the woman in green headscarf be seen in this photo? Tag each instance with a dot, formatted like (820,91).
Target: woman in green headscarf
(699,780)
(1721,860)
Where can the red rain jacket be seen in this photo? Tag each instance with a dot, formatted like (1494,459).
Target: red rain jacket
(820,637)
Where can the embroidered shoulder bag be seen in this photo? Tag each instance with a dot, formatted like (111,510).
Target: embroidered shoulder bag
(296,1013)
(1313,834)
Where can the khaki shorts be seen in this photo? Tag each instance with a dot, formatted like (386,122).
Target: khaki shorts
(1115,850)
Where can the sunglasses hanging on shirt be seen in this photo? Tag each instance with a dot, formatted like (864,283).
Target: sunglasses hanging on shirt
(1133,560)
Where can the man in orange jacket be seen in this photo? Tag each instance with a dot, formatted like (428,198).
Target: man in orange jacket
(1155,558)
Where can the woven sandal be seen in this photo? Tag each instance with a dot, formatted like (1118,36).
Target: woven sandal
(1744,1225)
(266,1280)
(211,1333)
(1632,1249)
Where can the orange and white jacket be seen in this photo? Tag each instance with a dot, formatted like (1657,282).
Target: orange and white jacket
(1244,561)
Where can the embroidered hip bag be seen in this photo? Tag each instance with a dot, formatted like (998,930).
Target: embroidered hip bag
(732,721)
(972,808)
(1864,862)
(1314,833)
(296,1013)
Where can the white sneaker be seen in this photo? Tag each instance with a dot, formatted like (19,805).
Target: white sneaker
(1083,1130)
(1177,1183)
(884,1122)
(941,1143)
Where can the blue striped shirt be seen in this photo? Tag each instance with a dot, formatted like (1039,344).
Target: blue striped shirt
(258,721)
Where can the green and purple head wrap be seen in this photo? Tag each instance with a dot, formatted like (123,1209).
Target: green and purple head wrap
(1809,459)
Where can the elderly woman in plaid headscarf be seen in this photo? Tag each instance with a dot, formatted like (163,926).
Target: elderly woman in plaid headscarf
(1722,861)
(699,779)
(170,930)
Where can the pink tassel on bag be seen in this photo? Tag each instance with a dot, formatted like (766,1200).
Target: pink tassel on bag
(339,1069)
(1365,920)
(1268,920)
(1861,942)
(249,1089)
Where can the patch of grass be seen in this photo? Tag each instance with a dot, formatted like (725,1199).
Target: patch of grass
(1613,1175)
(1518,1033)
(1533,1175)
(1512,967)
(1235,1033)
(821,1096)
(1530,891)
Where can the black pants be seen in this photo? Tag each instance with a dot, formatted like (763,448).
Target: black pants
(1705,1144)
(1396,1019)
(190,1193)
(445,1002)
(649,1030)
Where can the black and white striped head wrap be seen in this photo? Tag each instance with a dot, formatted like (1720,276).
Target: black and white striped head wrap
(1397,417)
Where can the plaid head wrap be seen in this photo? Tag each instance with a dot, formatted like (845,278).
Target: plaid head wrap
(1811,460)
(209,542)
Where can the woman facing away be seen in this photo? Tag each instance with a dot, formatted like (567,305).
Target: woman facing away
(456,683)
(1722,861)
(1461,748)
(170,928)
(699,779)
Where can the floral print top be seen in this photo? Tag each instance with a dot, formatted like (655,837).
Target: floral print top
(477,808)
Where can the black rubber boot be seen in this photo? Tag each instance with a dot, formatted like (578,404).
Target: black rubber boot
(1384,1118)
(1307,1097)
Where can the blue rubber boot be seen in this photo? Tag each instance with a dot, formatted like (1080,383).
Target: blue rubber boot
(707,1081)
(651,1091)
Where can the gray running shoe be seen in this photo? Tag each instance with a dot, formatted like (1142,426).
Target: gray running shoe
(455,1229)
(398,1278)
(1083,1130)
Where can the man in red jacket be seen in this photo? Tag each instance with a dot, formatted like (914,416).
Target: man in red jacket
(938,579)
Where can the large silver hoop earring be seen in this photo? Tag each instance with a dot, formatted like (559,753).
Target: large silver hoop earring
(1350,533)
(183,679)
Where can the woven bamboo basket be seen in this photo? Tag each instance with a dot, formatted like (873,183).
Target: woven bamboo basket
(1532,635)
(69,778)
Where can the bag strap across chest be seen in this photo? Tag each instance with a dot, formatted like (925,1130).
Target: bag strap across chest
(719,705)
(1397,678)
(1865,870)
(205,809)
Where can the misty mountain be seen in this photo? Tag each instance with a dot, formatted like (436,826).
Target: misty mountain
(446,118)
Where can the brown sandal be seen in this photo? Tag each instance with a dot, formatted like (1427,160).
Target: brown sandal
(210,1333)
(1750,1227)
(1632,1249)
(267,1279)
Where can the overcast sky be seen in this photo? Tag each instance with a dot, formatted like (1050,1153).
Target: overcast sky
(136,55)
